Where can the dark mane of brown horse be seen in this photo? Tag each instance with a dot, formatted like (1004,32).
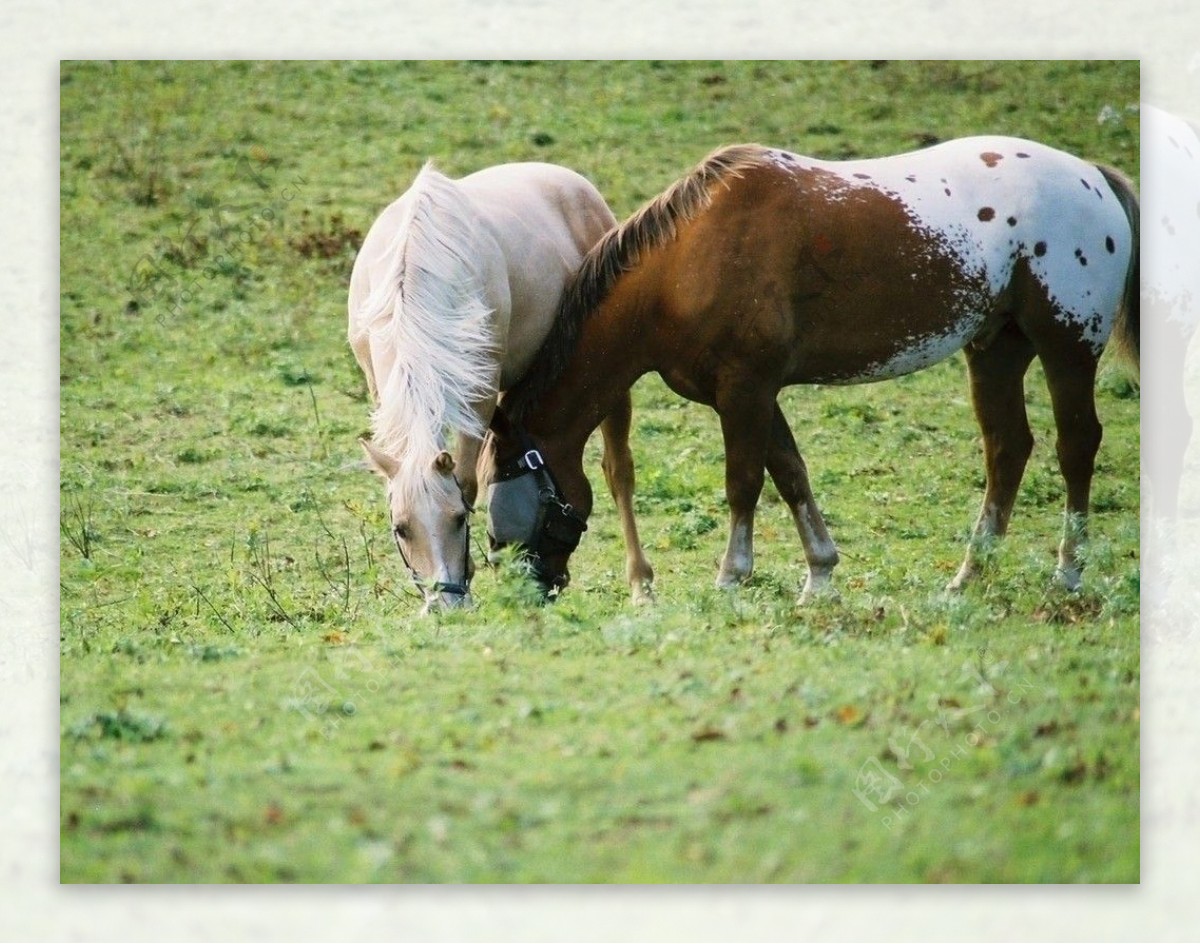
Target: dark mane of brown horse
(617,252)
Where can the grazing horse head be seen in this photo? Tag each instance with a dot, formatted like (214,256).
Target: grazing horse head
(430,523)
(528,509)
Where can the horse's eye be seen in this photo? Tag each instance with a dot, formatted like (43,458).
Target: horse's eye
(401,531)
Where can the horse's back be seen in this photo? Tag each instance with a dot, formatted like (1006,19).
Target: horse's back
(888,265)
(1002,196)
(544,218)
(1004,206)
(559,203)
(529,225)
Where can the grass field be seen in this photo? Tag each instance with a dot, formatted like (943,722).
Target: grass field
(247,692)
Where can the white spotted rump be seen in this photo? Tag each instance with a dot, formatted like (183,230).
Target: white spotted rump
(991,203)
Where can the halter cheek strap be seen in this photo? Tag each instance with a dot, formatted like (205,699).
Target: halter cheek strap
(558,528)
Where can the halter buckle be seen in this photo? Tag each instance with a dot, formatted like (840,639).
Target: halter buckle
(533,460)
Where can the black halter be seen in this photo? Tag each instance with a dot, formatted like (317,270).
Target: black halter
(558,527)
(439,586)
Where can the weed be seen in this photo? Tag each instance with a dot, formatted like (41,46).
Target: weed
(76,524)
(120,725)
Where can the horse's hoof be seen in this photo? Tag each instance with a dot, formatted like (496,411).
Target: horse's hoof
(818,589)
(643,595)
(827,592)
(1069,578)
(965,575)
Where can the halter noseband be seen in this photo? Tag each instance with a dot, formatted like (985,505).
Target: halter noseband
(440,586)
(558,528)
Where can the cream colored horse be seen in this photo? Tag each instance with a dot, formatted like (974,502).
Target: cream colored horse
(452,293)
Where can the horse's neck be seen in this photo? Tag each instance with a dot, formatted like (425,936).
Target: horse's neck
(613,351)
(441,338)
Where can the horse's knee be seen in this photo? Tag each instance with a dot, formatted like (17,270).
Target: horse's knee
(1077,449)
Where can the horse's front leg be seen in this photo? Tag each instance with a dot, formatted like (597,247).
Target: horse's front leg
(790,475)
(746,416)
(466,466)
(468,450)
(618,472)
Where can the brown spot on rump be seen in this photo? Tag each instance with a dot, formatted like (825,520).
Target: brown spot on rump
(986,214)
(1109,244)
(991,158)
(1039,248)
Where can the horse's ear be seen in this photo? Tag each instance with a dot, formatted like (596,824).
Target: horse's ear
(378,460)
(444,463)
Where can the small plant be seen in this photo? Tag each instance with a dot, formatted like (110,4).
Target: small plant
(76,525)
(121,725)
(336,570)
(327,239)
(262,572)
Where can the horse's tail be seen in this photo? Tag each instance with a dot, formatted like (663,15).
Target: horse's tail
(1128,328)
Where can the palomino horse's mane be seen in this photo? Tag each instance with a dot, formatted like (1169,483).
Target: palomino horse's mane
(617,252)
(430,310)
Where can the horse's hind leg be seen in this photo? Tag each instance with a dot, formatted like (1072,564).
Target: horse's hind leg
(1071,380)
(790,475)
(997,373)
(618,472)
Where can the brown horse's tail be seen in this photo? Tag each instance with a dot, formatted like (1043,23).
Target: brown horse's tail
(1128,329)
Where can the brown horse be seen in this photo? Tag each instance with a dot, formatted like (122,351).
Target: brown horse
(761,269)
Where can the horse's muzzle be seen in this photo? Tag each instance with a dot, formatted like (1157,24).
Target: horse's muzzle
(444,598)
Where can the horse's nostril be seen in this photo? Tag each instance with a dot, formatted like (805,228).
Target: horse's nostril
(447,601)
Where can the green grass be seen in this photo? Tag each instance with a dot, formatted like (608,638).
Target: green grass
(247,693)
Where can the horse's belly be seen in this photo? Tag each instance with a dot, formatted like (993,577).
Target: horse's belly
(905,353)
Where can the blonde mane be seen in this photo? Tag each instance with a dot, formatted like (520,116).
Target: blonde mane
(431,311)
(619,251)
